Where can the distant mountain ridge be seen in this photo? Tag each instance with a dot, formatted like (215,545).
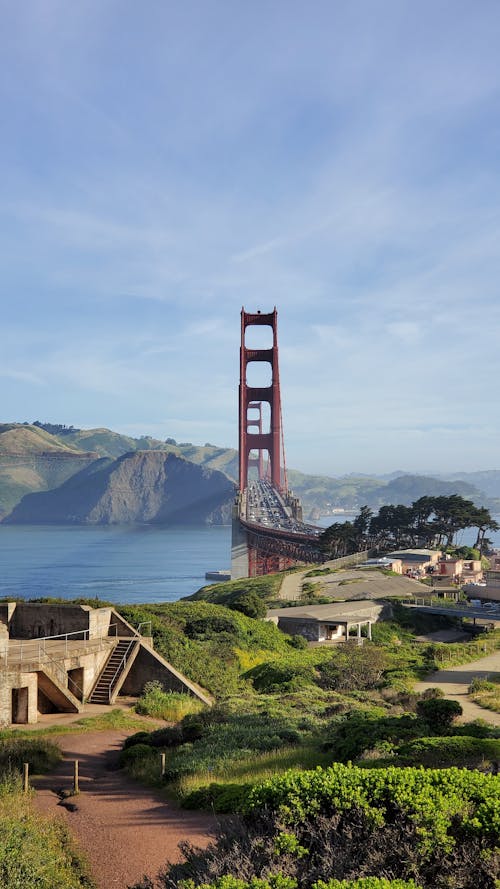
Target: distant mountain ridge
(142,487)
(44,457)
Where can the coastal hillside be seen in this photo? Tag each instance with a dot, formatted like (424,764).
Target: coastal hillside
(33,460)
(150,487)
(107,443)
(42,456)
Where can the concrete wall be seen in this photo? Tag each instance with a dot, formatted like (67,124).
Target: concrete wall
(32,620)
(99,621)
(239,551)
(309,629)
(328,633)
(146,668)
(6,611)
(15,679)
(91,663)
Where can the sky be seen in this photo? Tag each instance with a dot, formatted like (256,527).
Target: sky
(164,164)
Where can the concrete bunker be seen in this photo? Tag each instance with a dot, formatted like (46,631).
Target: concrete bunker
(58,658)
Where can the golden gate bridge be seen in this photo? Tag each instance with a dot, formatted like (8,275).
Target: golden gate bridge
(268,531)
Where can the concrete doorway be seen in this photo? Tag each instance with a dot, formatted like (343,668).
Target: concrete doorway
(75,682)
(20,705)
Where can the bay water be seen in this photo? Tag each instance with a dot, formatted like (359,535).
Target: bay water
(121,564)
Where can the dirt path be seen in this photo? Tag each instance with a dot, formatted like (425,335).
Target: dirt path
(125,830)
(455,682)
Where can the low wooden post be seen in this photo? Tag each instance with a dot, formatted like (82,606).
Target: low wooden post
(76,788)
(26,782)
(162,763)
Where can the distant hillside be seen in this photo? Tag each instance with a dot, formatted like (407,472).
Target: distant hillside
(42,456)
(487,480)
(112,444)
(33,460)
(20,439)
(141,487)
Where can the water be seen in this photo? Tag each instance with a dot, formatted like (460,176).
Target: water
(120,564)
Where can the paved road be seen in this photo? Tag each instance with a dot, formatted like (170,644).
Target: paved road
(455,682)
(349,583)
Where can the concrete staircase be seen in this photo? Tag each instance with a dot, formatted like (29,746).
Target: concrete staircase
(58,694)
(109,680)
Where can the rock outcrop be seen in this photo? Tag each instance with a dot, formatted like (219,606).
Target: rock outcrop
(140,487)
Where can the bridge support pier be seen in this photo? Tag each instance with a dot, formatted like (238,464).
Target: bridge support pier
(239,547)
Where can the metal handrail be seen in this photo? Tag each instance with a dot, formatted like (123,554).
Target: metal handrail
(144,623)
(121,665)
(65,677)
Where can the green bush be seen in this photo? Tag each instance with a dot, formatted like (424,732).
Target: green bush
(438,828)
(436,800)
(439,713)
(365,883)
(250,604)
(41,755)
(220,798)
(362,730)
(137,738)
(133,755)
(442,752)
(283,675)
(278,881)
(353,667)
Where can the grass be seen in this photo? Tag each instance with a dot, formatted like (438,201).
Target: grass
(115,719)
(168,705)
(253,768)
(486,693)
(35,852)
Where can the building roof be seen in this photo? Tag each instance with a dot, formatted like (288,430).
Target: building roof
(337,611)
(414,554)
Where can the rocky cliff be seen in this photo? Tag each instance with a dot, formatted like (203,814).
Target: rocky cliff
(149,486)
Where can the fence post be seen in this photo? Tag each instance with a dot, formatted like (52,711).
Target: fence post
(26,782)
(162,763)
(76,787)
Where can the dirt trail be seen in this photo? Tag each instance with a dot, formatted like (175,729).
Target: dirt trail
(125,830)
(455,682)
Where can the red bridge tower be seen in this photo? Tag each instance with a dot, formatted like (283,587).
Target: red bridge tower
(251,397)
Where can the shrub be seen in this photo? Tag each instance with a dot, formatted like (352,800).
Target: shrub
(220,798)
(137,738)
(41,755)
(296,641)
(438,828)
(452,751)
(132,755)
(283,675)
(250,604)
(354,667)
(439,713)
(362,730)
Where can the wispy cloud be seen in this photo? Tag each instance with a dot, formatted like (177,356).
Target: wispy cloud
(162,169)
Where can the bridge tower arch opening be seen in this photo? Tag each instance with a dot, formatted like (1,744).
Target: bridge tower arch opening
(253,440)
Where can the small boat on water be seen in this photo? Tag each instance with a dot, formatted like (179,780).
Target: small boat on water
(217,575)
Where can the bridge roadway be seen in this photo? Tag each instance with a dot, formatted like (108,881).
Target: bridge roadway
(265,512)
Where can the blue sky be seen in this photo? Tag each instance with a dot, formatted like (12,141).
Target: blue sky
(164,164)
